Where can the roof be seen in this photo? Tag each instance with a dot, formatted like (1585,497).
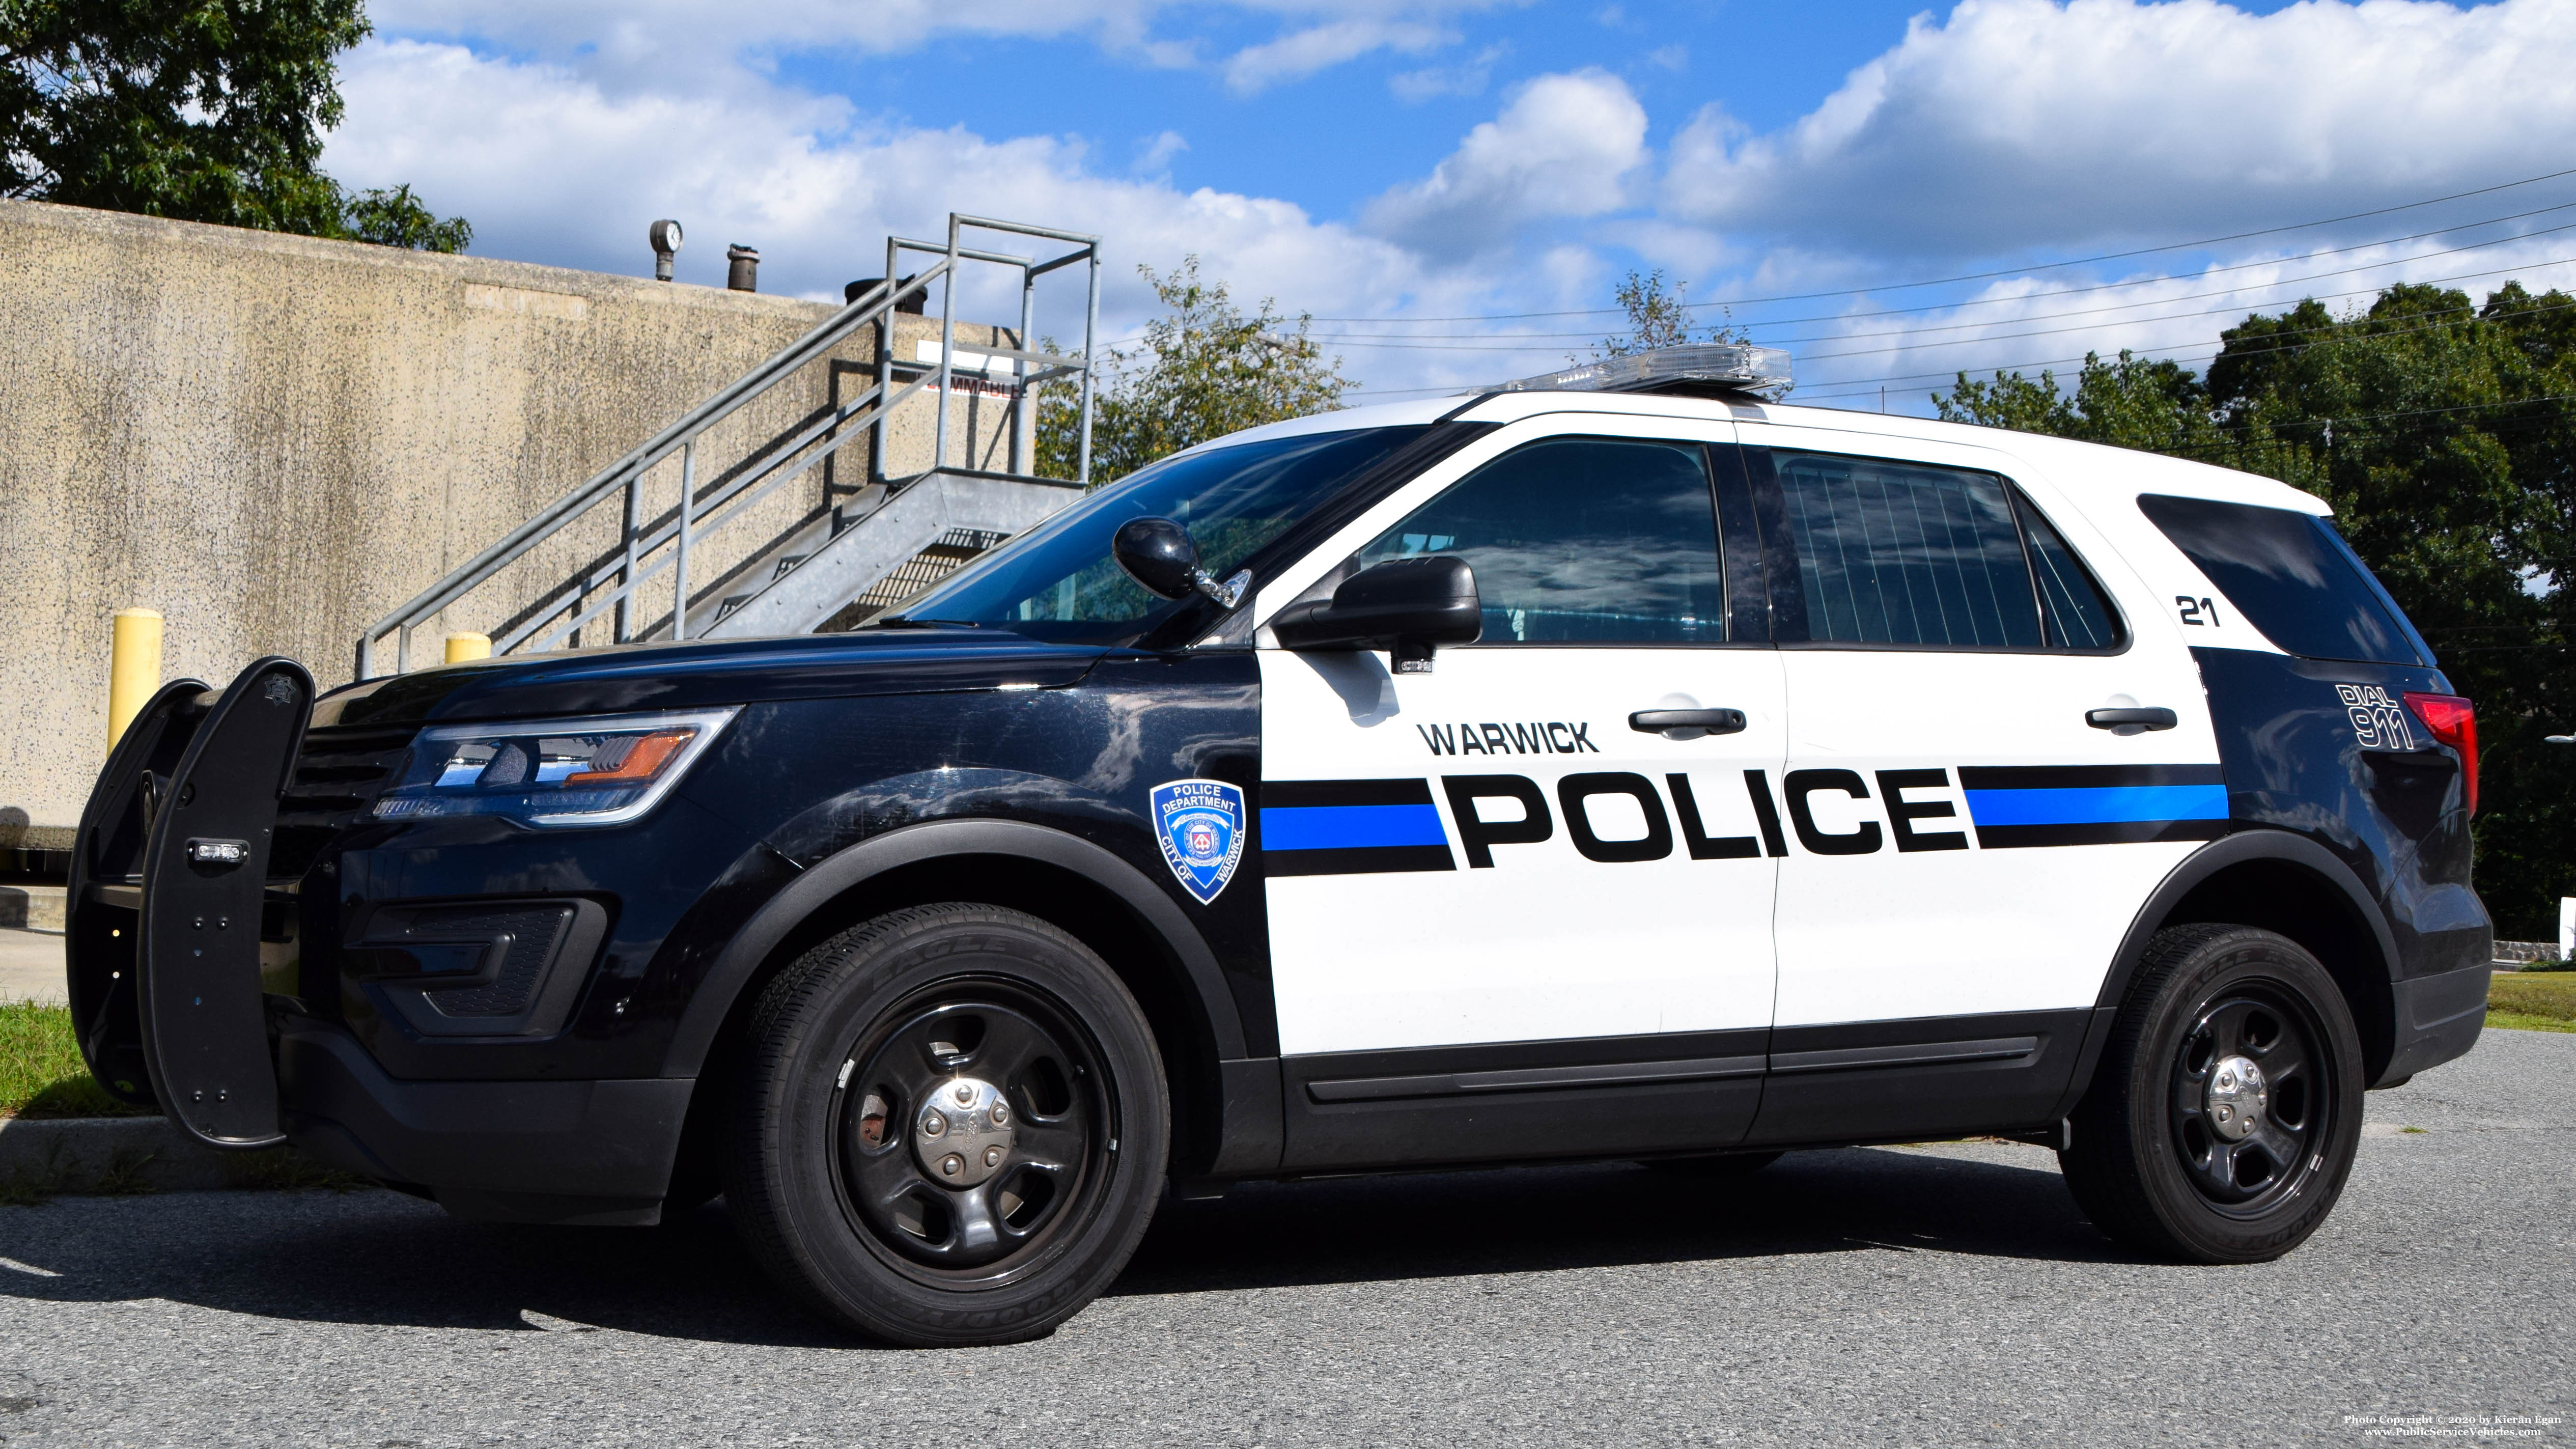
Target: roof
(2075,466)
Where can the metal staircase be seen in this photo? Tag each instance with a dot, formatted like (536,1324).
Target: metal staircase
(736,553)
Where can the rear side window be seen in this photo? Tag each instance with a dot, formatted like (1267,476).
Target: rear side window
(2290,575)
(1909,555)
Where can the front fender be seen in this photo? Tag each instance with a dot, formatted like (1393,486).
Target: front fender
(827,879)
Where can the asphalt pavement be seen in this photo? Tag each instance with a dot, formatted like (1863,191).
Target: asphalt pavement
(1937,1295)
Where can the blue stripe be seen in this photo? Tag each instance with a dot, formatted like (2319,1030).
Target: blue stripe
(2098,806)
(1350,827)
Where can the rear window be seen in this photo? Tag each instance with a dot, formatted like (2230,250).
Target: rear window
(2292,576)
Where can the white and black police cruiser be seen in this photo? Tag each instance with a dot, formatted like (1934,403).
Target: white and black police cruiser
(1618,765)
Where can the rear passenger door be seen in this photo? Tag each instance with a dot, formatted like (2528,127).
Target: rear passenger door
(1502,919)
(1966,849)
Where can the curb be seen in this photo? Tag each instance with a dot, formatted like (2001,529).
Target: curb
(33,908)
(109,1156)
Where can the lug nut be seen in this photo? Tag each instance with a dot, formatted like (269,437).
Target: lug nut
(1001,1111)
(933,1125)
(951,1165)
(965,1094)
(993,1156)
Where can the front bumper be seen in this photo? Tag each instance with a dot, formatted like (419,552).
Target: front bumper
(2437,1019)
(556,1152)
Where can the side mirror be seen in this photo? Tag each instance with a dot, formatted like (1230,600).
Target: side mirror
(1161,555)
(1406,606)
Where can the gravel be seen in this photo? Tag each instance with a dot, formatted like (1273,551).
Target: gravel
(1936,1295)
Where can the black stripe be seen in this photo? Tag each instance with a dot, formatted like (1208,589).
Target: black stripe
(1534,1079)
(2109,832)
(1359,860)
(2083,777)
(1316,794)
(1905,1054)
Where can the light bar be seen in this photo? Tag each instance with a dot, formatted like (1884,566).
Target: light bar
(1700,367)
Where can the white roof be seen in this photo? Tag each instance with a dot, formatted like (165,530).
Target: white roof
(2078,467)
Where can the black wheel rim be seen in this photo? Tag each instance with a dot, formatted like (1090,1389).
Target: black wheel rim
(2253,1099)
(1026,1119)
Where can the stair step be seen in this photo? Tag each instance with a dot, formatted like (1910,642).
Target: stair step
(787,563)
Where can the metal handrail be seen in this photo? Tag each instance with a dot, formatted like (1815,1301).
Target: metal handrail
(865,415)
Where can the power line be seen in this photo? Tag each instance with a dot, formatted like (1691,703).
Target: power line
(1862,386)
(2005,272)
(1386,337)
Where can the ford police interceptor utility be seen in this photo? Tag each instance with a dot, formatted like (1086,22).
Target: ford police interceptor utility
(1619,765)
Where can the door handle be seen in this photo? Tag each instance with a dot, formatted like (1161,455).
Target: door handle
(2111,719)
(1667,722)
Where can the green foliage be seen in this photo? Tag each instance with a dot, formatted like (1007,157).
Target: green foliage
(197,110)
(1658,316)
(41,1071)
(397,219)
(2439,430)
(1203,371)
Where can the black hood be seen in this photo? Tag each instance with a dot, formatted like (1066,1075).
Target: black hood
(708,672)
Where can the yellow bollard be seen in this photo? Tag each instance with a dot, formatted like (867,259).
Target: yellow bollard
(461,647)
(134,668)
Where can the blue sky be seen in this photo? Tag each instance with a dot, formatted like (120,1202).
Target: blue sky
(1404,160)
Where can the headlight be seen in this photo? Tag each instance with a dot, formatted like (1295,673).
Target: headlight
(600,771)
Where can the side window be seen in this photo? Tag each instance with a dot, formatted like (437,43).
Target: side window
(1580,541)
(2290,575)
(2076,614)
(1909,554)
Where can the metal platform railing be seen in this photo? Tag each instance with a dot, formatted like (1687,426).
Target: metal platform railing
(856,547)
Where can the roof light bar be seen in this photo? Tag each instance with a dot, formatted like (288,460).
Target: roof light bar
(1701,369)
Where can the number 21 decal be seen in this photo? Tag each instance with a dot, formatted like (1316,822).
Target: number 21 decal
(2192,609)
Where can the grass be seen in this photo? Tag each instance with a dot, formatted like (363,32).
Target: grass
(41,1072)
(2533,1000)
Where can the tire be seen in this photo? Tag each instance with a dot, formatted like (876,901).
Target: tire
(2173,1153)
(1713,1165)
(1051,1119)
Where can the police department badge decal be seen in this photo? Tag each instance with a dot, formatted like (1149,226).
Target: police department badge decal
(1200,823)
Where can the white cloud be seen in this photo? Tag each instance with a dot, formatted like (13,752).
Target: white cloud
(2022,122)
(550,167)
(1563,147)
(1302,53)
(686,43)
(1468,78)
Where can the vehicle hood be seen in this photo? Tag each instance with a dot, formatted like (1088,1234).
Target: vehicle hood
(708,672)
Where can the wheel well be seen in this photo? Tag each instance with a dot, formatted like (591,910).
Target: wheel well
(2288,898)
(1092,914)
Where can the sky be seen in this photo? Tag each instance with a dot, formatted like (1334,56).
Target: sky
(1453,188)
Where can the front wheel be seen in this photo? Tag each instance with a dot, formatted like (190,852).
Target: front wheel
(2224,1118)
(951,1127)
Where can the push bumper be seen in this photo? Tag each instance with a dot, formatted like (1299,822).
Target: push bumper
(2437,1019)
(554,1152)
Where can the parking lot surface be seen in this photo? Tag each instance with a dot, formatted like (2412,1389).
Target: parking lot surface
(1930,1295)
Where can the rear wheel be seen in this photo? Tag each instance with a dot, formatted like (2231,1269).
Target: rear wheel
(2224,1117)
(951,1125)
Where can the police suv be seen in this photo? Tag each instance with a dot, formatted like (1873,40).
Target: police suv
(1617,765)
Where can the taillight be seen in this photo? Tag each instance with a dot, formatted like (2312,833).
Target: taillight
(2453,721)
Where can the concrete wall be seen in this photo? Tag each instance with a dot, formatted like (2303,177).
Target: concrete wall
(275,441)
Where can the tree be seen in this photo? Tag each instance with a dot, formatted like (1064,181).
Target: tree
(1658,316)
(1202,371)
(2439,431)
(198,110)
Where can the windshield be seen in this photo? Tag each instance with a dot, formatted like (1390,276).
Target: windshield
(1057,582)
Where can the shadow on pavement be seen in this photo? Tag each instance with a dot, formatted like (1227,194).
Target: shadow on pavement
(377,1258)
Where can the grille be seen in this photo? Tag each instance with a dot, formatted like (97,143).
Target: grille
(338,775)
